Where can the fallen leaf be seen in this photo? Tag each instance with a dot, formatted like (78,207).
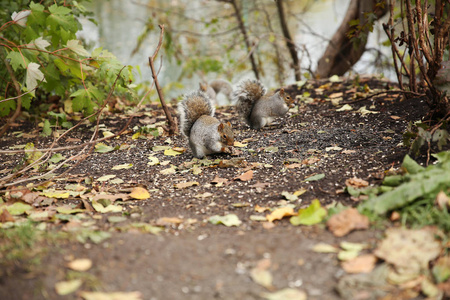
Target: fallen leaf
(289,196)
(164,221)
(300,192)
(103,148)
(111,197)
(227,220)
(217,180)
(285,294)
(361,264)
(106,209)
(160,148)
(365,111)
(311,215)
(324,248)
(55,194)
(239,144)
(261,209)
(271,149)
(346,255)
(81,264)
(347,220)
(314,177)
(204,195)
(409,250)
(293,166)
(153,161)
(111,296)
(441,269)
(280,213)
(262,277)
(396,117)
(18,208)
(356,182)
(5,216)
(183,185)
(105,178)
(245,177)
(258,218)
(168,171)
(116,219)
(352,246)
(442,200)
(67,287)
(346,107)
(334,148)
(139,193)
(171,152)
(123,166)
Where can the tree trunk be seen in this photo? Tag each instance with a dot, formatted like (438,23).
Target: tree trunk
(289,41)
(341,54)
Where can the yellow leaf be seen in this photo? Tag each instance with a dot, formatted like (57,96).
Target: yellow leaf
(67,287)
(81,264)
(239,144)
(280,213)
(171,152)
(139,193)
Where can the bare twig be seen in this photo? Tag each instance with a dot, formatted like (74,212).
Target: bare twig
(173,128)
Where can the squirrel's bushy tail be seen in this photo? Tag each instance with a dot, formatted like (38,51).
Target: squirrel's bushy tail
(194,105)
(246,94)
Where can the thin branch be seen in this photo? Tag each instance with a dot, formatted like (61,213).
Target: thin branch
(173,128)
(19,100)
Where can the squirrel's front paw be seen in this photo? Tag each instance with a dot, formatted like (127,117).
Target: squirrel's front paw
(226,149)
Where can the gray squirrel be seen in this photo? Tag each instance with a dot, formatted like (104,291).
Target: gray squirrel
(255,107)
(215,87)
(206,134)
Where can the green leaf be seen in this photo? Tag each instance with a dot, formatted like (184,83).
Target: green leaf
(75,46)
(411,166)
(18,208)
(17,60)
(311,215)
(56,158)
(314,177)
(59,16)
(46,130)
(84,99)
(227,220)
(103,148)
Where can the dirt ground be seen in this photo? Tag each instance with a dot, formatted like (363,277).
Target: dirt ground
(192,258)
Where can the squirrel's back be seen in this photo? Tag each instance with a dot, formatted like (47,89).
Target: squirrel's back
(245,96)
(194,105)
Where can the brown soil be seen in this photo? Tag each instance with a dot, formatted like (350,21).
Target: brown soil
(199,260)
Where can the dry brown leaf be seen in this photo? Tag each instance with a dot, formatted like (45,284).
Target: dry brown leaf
(245,177)
(260,185)
(218,180)
(310,161)
(396,117)
(356,182)
(165,221)
(293,166)
(139,193)
(5,216)
(280,213)
(183,185)
(347,220)
(361,264)
(237,162)
(112,197)
(268,225)
(261,209)
(442,200)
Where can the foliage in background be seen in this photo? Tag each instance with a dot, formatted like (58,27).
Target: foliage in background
(420,44)
(414,194)
(48,62)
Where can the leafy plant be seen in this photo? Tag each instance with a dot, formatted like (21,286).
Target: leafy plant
(43,58)
(413,194)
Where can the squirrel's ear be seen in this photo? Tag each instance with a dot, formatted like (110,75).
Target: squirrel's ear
(220,128)
(202,86)
(282,92)
(229,124)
